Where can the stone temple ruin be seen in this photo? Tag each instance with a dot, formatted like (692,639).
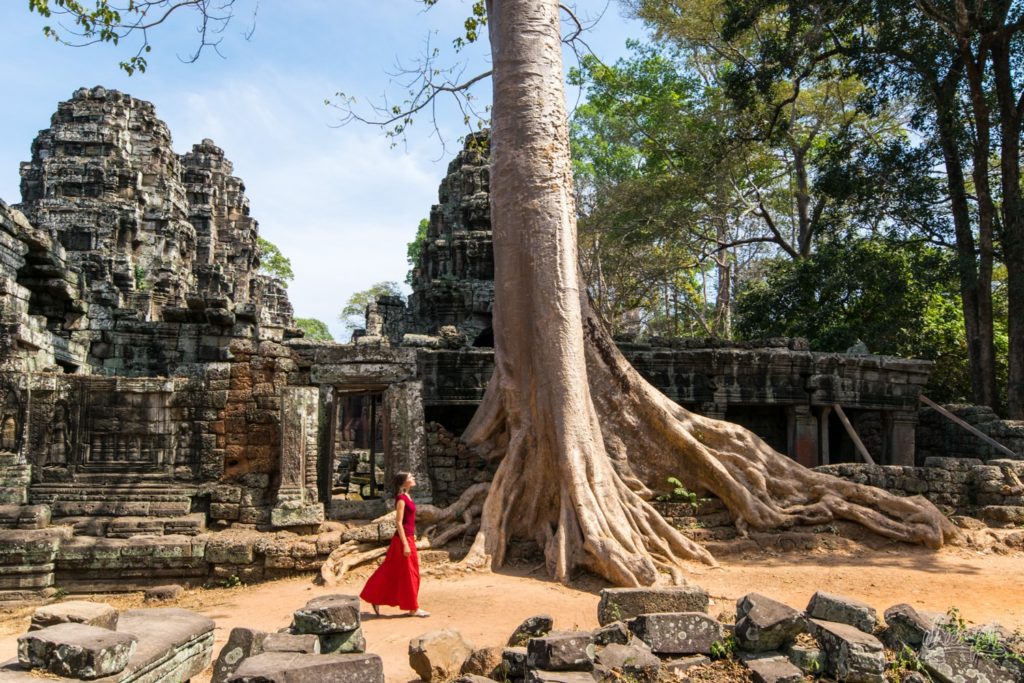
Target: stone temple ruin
(155,395)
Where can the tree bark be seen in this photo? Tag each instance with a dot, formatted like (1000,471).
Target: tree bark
(1012,215)
(974,266)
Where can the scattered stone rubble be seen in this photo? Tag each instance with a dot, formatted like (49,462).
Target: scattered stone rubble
(833,639)
(324,643)
(672,637)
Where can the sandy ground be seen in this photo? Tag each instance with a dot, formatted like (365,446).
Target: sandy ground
(486,607)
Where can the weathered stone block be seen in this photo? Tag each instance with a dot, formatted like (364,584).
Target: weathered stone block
(628,662)
(678,633)
(289,667)
(764,624)
(513,663)
(485,661)
(343,643)
(808,659)
(163,593)
(308,644)
(242,644)
(958,663)
(327,614)
(907,625)
(561,652)
(852,655)
(773,670)
(615,632)
(532,627)
(75,611)
(622,604)
(76,650)
(843,610)
(541,676)
(438,655)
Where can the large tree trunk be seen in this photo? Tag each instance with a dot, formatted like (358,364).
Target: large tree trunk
(974,266)
(1010,117)
(577,428)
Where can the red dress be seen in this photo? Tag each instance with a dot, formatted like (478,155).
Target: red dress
(397,580)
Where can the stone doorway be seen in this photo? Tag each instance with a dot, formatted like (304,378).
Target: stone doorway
(358,449)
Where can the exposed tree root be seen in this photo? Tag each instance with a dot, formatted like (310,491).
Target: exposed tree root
(443,525)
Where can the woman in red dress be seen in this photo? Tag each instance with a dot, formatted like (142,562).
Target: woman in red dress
(397,580)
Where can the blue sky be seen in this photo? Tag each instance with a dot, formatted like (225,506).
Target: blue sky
(340,202)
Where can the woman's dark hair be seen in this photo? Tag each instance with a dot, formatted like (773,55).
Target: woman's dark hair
(398,480)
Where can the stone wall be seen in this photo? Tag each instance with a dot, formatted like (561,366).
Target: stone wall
(937,436)
(453,466)
(991,491)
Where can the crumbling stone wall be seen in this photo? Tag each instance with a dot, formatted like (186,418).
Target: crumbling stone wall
(453,466)
(937,436)
(992,491)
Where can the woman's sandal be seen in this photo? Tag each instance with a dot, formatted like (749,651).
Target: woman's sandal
(419,613)
(376,609)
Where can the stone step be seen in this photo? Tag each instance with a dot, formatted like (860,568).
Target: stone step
(129,527)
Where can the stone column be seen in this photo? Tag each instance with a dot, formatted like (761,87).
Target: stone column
(404,437)
(296,503)
(803,435)
(826,411)
(900,430)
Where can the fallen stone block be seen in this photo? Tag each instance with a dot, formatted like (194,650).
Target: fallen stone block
(615,632)
(763,624)
(680,633)
(163,593)
(343,643)
(76,650)
(808,659)
(485,661)
(627,662)
(174,644)
(959,663)
(474,678)
(532,627)
(242,643)
(438,655)
(561,652)
(852,655)
(623,604)
(513,663)
(96,614)
(907,625)
(777,669)
(307,644)
(327,614)
(292,667)
(842,610)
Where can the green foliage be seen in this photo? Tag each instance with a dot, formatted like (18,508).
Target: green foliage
(140,278)
(232,581)
(679,493)
(415,248)
(906,661)
(723,649)
(314,329)
(899,299)
(354,312)
(983,643)
(274,263)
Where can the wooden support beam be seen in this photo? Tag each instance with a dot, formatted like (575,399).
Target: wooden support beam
(853,435)
(969,427)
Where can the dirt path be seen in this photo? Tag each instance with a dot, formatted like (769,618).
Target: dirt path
(486,607)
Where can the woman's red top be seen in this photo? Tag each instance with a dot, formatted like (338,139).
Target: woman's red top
(409,517)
